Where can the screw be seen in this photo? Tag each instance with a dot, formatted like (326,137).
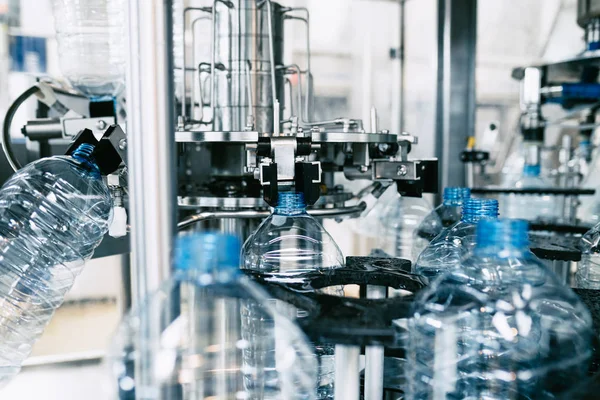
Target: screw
(363,168)
(402,170)
(123,144)
(101,125)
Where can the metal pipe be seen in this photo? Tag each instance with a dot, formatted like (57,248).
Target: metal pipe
(347,372)
(250,214)
(271,49)
(306,117)
(249,83)
(299,92)
(194,70)
(151,147)
(184,75)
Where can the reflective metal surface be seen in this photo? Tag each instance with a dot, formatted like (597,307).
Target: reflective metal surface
(252,137)
(192,203)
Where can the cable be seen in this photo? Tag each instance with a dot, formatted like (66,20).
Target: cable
(6,140)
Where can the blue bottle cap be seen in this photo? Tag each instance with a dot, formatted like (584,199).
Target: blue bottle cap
(532,170)
(290,203)
(456,195)
(502,233)
(475,209)
(205,252)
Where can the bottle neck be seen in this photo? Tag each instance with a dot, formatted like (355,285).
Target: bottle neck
(502,238)
(290,203)
(455,196)
(475,210)
(84,154)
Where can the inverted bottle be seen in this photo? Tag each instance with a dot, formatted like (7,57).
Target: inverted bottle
(53,214)
(499,326)
(210,332)
(443,216)
(454,242)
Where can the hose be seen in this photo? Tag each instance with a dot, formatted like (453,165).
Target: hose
(6,141)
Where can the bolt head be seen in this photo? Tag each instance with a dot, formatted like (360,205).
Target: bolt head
(402,170)
(123,144)
(101,125)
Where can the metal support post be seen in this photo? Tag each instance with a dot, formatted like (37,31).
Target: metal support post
(456,97)
(374,355)
(347,372)
(151,148)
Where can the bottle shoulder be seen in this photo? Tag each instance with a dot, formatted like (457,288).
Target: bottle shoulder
(291,243)
(492,284)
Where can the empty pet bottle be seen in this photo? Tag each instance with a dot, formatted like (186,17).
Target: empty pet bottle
(588,269)
(400,218)
(446,250)
(290,242)
(500,326)
(446,214)
(530,206)
(210,332)
(53,214)
(91,44)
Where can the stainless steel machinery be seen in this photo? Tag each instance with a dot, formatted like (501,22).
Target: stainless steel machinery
(235,148)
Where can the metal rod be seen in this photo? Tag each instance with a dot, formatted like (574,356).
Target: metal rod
(249,83)
(374,355)
(402,64)
(306,20)
(213,49)
(250,214)
(273,79)
(347,372)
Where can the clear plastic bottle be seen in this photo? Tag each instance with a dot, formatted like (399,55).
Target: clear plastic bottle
(92,40)
(443,216)
(289,242)
(400,218)
(53,214)
(211,333)
(500,326)
(368,228)
(446,250)
(532,206)
(588,269)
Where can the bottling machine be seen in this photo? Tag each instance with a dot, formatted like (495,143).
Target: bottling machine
(241,130)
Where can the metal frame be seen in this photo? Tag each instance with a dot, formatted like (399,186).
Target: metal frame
(456,97)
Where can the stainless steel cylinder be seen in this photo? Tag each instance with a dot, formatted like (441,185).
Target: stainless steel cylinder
(242,48)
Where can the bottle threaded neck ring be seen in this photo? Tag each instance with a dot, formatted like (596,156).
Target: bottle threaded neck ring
(502,234)
(290,203)
(456,195)
(84,151)
(475,209)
